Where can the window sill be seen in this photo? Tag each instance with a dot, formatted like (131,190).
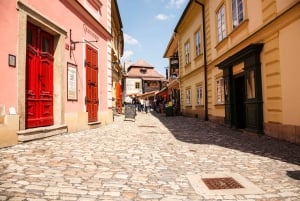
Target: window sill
(239,27)
(187,65)
(222,43)
(198,57)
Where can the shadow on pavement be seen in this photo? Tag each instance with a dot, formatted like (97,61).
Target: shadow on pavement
(196,131)
(294,174)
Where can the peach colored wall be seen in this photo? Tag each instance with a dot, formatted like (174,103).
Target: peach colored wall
(253,20)
(289,61)
(101,17)
(255,17)
(283,4)
(189,29)
(8,45)
(213,30)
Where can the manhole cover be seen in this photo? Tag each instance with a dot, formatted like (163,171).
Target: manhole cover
(221,183)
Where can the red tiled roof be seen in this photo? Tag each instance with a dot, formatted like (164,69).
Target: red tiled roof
(138,72)
(143,70)
(142,63)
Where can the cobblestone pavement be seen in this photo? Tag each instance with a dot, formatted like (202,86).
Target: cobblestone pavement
(151,158)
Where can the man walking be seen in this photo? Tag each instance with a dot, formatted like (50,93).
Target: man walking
(147,105)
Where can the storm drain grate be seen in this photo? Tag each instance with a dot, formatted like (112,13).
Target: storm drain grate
(221,183)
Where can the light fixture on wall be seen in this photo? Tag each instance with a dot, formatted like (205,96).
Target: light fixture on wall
(73,43)
(11,60)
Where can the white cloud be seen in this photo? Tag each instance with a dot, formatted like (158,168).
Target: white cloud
(127,54)
(175,3)
(161,17)
(130,40)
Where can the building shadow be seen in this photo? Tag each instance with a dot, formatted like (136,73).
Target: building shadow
(196,131)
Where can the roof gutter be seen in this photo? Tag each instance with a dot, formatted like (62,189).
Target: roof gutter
(205,60)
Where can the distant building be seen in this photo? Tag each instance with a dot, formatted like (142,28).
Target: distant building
(141,78)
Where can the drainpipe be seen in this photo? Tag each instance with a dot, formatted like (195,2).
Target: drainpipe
(205,61)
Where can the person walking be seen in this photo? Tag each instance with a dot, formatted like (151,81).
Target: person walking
(142,104)
(147,105)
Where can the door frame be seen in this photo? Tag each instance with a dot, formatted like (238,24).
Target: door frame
(26,14)
(250,57)
(95,119)
(239,114)
(40,79)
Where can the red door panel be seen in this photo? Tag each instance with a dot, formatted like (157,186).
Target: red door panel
(39,78)
(91,65)
(118,97)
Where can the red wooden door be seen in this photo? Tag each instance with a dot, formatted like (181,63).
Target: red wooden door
(91,100)
(39,77)
(119,97)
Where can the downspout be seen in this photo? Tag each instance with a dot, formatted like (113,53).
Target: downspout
(205,61)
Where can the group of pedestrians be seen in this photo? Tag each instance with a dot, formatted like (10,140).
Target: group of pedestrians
(140,104)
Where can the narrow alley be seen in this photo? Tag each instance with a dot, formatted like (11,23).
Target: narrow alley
(152,158)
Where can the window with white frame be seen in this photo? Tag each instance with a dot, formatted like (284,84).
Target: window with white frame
(237,12)
(187,53)
(199,95)
(188,96)
(220,91)
(197,43)
(221,25)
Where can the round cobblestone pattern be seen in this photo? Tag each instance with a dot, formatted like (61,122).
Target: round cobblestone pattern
(147,159)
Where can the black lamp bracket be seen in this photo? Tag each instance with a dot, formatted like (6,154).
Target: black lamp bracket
(73,43)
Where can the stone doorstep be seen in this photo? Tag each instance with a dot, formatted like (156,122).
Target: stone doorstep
(94,125)
(41,132)
(201,188)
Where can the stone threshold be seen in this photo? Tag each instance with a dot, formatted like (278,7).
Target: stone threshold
(41,132)
(95,124)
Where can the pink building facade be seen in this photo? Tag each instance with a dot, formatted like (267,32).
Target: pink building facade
(55,68)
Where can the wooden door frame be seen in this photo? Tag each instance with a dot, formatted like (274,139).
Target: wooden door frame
(250,56)
(98,104)
(27,14)
(41,78)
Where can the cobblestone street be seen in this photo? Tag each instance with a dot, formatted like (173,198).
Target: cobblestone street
(152,158)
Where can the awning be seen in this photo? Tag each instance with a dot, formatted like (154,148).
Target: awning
(153,79)
(162,92)
(174,84)
(147,94)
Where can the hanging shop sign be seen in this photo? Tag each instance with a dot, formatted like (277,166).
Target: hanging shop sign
(174,67)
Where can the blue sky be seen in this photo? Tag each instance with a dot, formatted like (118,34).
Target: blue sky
(148,26)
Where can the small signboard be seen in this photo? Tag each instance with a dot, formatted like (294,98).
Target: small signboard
(130,111)
(174,67)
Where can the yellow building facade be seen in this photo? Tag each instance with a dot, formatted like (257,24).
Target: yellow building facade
(117,49)
(238,64)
